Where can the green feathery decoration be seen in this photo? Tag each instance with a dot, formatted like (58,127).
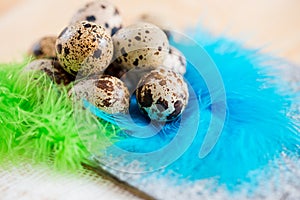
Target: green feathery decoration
(37,122)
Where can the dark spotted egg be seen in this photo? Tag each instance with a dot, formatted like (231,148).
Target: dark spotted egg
(101,12)
(44,48)
(52,68)
(162,95)
(84,48)
(108,93)
(175,61)
(140,46)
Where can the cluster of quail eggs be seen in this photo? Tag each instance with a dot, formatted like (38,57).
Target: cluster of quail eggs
(107,62)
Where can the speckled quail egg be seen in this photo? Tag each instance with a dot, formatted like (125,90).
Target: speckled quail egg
(141,45)
(175,61)
(162,95)
(44,48)
(84,48)
(52,68)
(108,93)
(100,12)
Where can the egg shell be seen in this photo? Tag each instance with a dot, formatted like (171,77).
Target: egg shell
(100,12)
(140,46)
(175,61)
(52,68)
(44,48)
(84,48)
(108,93)
(162,95)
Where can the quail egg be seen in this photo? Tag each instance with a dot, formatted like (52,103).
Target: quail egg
(44,48)
(84,48)
(162,95)
(175,61)
(108,93)
(52,68)
(140,46)
(102,13)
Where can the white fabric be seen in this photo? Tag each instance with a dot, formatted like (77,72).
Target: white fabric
(36,183)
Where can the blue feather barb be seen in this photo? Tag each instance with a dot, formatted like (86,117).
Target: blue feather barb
(236,121)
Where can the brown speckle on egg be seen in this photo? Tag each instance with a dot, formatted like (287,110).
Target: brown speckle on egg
(44,48)
(101,12)
(84,48)
(160,96)
(108,93)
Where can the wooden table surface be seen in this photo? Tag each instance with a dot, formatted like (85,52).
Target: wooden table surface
(271,24)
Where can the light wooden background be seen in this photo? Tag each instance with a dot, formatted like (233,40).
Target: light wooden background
(271,24)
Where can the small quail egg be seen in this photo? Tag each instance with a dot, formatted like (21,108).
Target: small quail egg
(44,48)
(108,93)
(102,13)
(84,47)
(52,68)
(162,95)
(141,45)
(175,61)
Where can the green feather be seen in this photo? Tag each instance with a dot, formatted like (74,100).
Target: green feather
(37,122)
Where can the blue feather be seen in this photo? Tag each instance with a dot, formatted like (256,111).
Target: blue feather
(236,121)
